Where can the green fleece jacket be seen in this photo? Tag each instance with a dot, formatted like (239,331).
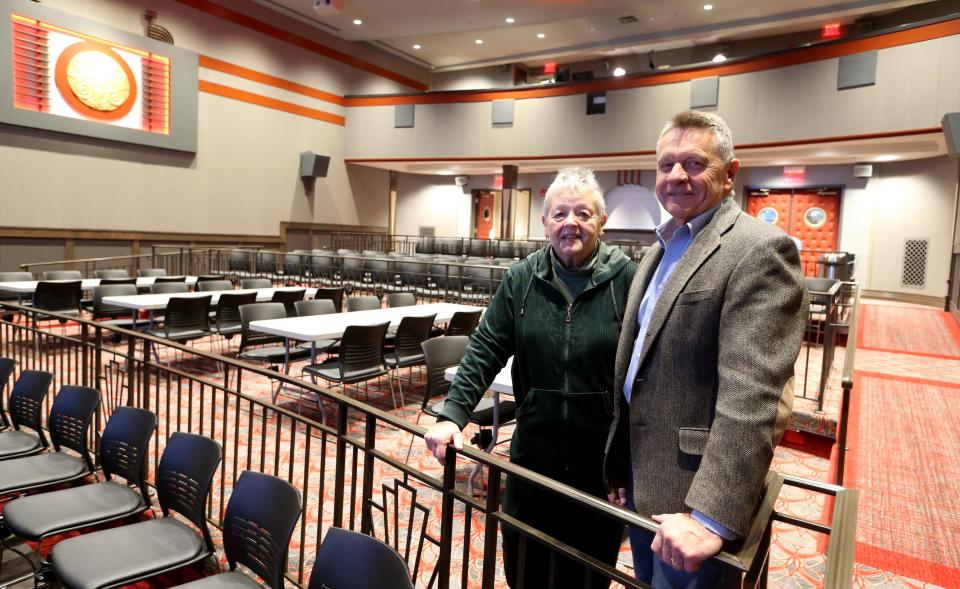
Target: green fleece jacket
(563,362)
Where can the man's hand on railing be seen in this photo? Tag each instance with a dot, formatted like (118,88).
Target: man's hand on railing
(682,542)
(440,435)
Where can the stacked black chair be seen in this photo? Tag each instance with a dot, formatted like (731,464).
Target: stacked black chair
(123,452)
(69,425)
(210,285)
(261,515)
(124,555)
(111,273)
(26,411)
(351,560)
(57,297)
(256,283)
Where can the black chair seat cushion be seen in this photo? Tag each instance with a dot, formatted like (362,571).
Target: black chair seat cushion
(403,362)
(330,370)
(273,354)
(228,329)
(186,334)
(17,443)
(35,516)
(122,555)
(228,580)
(320,345)
(483,414)
(43,469)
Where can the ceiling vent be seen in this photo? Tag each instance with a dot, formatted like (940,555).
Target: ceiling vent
(627,20)
(155,31)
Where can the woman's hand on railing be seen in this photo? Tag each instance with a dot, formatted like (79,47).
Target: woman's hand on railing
(440,435)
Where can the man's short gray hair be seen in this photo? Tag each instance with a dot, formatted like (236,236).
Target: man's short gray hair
(694,119)
(576,180)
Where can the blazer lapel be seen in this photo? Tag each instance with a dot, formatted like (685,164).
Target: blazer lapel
(704,244)
(628,331)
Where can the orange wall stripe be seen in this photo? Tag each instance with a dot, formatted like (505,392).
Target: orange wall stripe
(268,80)
(257,99)
(779,60)
(278,33)
(746,146)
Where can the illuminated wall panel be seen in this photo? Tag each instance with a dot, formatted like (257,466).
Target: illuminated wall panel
(64,73)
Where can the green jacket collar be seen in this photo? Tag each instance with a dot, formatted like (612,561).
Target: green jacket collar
(610,260)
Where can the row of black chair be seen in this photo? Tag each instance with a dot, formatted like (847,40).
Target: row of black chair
(259,520)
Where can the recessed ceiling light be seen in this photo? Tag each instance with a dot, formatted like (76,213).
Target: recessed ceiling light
(357,21)
(708,6)
(719,58)
(541,35)
(886,158)
(416,46)
(619,72)
(509,20)
(478,41)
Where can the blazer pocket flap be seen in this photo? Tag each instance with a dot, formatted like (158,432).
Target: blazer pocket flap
(695,296)
(693,440)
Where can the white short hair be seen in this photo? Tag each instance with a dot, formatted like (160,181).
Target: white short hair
(694,119)
(576,180)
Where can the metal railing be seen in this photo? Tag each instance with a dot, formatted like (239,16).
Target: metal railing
(337,464)
(847,383)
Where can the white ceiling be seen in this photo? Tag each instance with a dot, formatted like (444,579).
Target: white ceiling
(574,30)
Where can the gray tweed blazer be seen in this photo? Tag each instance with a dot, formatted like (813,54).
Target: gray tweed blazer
(721,346)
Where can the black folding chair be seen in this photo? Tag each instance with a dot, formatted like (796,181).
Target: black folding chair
(124,555)
(405,351)
(6,370)
(360,359)
(26,411)
(351,560)
(288,298)
(123,452)
(57,297)
(261,515)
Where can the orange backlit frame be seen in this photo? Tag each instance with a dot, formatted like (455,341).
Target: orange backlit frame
(161,95)
(60,76)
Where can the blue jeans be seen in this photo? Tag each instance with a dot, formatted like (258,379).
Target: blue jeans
(648,568)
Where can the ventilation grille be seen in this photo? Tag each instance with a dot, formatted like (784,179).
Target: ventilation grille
(426,231)
(915,262)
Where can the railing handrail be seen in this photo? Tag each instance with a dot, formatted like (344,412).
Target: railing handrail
(28,265)
(846,385)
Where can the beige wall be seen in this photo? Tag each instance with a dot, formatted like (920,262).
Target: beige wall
(916,85)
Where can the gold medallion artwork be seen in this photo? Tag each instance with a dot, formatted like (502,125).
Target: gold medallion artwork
(98,81)
(95,81)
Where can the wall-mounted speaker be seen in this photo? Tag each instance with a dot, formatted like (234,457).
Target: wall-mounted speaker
(951,132)
(461,180)
(862,170)
(313,165)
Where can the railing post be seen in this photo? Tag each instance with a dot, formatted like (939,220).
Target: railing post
(97,355)
(446,518)
(847,386)
(490,529)
(370,441)
(341,467)
(131,369)
(145,381)
(84,365)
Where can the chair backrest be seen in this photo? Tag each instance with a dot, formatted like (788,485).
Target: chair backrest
(334,294)
(314,307)
(261,515)
(401,299)
(259,312)
(208,285)
(70,417)
(62,275)
(57,296)
(184,475)
(361,349)
(209,277)
(412,332)
(351,560)
(127,280)
(26,400)
(288,298)
(256,283)
(15,276)
(187,314)
(228,307)
(111,273)
(6,370)
(364,303)
(463,323)
(101,310)
(168,287)
(291,264)
(266,262)
(124,445)
(440,353)
(161,279)
(148,272)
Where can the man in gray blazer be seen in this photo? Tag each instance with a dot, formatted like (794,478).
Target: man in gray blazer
(719,309)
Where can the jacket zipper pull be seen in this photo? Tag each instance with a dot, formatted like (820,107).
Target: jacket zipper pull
(569,309)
